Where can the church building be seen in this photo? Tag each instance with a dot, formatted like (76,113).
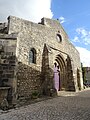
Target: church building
(37,58)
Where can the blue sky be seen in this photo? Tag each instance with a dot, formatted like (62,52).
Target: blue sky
(75,18)
(74,15)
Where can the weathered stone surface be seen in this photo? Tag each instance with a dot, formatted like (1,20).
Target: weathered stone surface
(8,62)
(50,44)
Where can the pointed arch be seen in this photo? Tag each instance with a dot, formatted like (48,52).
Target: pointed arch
(62,71)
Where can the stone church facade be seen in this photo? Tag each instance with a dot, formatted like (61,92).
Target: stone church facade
(37,58)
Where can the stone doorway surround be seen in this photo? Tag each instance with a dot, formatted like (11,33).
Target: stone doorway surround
(60,72)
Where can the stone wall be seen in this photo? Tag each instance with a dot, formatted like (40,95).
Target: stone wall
(87,73)
(8,63)
(28,80)
(33,35)
(3,27)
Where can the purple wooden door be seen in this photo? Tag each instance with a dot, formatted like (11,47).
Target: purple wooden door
(56,77)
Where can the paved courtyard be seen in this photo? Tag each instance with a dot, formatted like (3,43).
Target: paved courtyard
(69,107)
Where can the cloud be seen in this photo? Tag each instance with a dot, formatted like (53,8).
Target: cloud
(82,32)
(83,36)
(76,39)
(32,10)
(62,19)
(84,56)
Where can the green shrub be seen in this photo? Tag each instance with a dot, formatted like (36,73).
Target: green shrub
(35,94)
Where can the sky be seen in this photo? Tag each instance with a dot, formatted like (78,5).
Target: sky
(74,15)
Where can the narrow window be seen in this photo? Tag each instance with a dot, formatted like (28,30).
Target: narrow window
(59,38)
(32,56)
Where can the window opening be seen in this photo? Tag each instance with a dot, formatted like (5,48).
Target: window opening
(32,56)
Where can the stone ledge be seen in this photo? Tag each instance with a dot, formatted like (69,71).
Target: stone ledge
(3,88)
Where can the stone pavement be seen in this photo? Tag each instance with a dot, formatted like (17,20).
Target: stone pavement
(69,107)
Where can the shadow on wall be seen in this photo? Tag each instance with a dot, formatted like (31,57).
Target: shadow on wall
(78,79)
(7,74)
(47,74)
(70,81)
(33,82)
(28,80)
(25,80)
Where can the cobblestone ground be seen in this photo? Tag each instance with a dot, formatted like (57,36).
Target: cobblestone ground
(75,107)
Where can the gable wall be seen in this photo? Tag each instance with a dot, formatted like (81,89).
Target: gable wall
(32,35)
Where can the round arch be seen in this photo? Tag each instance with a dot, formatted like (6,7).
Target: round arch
(32,55)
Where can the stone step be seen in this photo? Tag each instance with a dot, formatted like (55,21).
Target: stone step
(66,93)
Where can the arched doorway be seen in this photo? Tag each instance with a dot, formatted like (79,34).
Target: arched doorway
(59,73)
(56,76)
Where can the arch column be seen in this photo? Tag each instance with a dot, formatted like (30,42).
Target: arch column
(70,77)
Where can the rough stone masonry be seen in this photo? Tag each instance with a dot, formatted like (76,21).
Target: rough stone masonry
(37,59)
